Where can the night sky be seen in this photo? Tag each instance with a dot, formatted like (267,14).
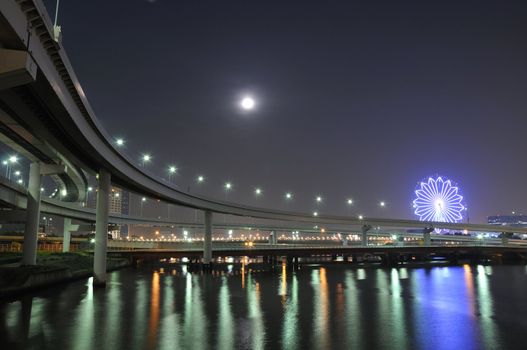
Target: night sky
(359,99)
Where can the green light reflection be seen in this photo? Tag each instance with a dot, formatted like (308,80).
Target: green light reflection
(353,313)
(397,312)
(320,309)
(486,307)
(290,320)
(255,313)
(82,333)
(114,304)
(226,325)
(194,337)
(139,327)
(170,333)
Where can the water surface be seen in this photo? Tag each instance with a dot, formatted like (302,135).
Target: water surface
(316,307)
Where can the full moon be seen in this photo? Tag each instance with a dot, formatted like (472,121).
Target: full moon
(247,103)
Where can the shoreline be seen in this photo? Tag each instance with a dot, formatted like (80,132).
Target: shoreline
(51,269)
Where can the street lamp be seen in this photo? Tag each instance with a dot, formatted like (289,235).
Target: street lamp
(142,201)
(88,190)
(145,159)
(349,201)
(171,171)
(319,199)
(382,204)
(119,142)
(7,163)
(228,187)
(200,179)
(288,195)
(258,191)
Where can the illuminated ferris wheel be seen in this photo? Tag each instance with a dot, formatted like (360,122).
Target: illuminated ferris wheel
(438,200)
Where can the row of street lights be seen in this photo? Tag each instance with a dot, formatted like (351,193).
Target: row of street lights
(172,171)
(228,186)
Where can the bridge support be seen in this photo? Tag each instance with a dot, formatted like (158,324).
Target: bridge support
(66,238)
(364,240)
(426,238)
(272,238)
(505,238)
(427,241)
(33,215)
(36,170)
(101,228)
(207,241)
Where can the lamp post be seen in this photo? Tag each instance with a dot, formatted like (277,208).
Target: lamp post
(142,201)
(228,187)
(7,163)
(119,142)
(288,196)
(171,171)
(88,191)
(146,158)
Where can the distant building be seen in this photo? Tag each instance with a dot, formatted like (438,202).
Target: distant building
(508,220)
(119,203)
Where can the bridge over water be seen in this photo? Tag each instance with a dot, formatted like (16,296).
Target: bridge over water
(45,115)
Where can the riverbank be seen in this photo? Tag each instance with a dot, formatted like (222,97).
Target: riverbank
(51,268)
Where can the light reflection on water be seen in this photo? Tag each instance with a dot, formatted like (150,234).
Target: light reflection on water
(461,307)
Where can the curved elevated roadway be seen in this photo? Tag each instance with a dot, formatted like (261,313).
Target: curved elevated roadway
(70,125)
(48,101)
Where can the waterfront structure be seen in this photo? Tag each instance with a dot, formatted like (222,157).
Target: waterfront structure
(509,220)
(50,120)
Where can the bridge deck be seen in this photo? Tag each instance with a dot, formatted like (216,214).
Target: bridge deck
(320,250)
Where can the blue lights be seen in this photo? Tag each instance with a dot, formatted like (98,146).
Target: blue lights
(438,200)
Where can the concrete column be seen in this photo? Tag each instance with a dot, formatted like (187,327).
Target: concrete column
(365,229)
(504,239)
(32,215)
(66,239)
(426,238)
(271,238)
(345,241)
(101,228)
(207,241)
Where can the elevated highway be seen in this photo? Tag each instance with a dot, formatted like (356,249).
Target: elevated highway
(45,112)
(14,197)
(70,125)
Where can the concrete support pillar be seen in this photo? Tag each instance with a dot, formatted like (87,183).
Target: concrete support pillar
(207,241)
(504,239)
(426,238)
(32,215)
(272,238)
(364,240)
(101,228)
(66,239)
(345,241)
